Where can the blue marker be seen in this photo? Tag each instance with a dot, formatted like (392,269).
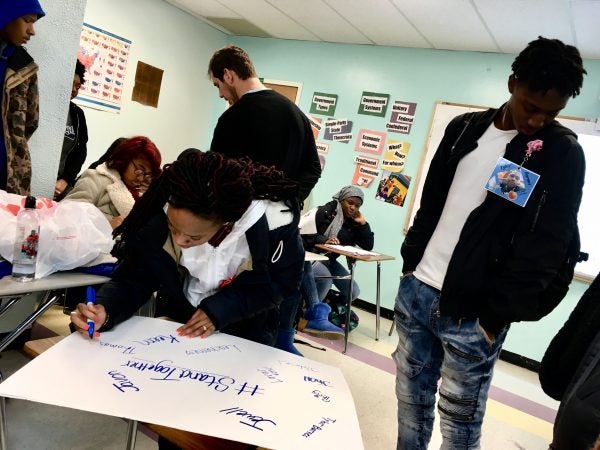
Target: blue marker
(90,295)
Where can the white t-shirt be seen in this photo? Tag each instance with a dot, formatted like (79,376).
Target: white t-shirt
(466,193)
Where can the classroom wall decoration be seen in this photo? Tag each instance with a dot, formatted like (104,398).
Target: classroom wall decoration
(364,175)
(323,104)
(402,117)
(395,156)
(370,162)
(393,188)
(373,104)
(338,130)
(322,148)
(147,84)
(243,391)
(370,141)
(105,57)
(315,125)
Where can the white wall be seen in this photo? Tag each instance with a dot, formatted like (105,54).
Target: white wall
(167,38)
(54,48)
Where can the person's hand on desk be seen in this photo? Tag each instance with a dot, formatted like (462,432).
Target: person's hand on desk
(83,312)
(199,325)
(332,241)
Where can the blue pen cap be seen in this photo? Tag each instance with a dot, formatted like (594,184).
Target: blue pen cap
(90,295)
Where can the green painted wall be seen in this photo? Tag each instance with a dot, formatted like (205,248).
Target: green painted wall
(424,77)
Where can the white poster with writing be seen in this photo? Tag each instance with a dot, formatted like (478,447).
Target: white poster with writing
(220,386)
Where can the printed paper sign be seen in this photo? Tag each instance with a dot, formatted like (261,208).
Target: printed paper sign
(322,148)
(370,162)
(512,182)
(323,104)
(393,188)
(143,370)
(345,137)
(339,130)
(402,117)
(395,156)
(360,178)
(403,128)
(370,141)
(373,104)
(315,125)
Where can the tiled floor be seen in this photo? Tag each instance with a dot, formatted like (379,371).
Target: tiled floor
(519,415)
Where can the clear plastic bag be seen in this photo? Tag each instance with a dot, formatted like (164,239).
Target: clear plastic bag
(72,233)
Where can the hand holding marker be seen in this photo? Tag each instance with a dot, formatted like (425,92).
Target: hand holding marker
(90,295)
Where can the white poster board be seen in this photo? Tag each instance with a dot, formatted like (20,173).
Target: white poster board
(589,214)
(221,386)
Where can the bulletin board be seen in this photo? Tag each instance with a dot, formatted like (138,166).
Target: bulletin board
(588,133)
(289,89)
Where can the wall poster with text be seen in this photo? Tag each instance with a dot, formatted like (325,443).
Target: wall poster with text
(402,117)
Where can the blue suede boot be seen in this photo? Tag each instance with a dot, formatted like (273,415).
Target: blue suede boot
(285,341)
(318,322)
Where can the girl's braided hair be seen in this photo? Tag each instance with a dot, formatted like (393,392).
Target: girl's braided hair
(209,185)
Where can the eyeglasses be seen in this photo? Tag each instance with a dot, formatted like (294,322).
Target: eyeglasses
(139,172)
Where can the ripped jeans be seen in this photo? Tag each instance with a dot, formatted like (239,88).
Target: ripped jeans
(432,346)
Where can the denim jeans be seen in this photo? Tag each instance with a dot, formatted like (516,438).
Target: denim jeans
(432,346)
(336,269)
(308,286)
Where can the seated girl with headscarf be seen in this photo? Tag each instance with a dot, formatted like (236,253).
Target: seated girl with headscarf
(338,222)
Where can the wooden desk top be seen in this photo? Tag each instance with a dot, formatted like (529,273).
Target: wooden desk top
(38,346)
(367,258)
(58,280)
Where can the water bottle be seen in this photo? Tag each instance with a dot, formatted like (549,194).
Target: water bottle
(26,242)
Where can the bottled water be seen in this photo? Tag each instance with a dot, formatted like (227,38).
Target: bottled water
(26,242)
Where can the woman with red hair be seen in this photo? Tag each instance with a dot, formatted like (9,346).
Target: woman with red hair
(118,183)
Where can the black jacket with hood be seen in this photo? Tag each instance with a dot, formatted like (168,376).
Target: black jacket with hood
(247,307)
(511,263)
(78,152)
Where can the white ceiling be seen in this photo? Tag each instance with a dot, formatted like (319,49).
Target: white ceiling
(500,26)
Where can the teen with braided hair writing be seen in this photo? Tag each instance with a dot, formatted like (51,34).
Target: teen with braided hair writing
(218,238)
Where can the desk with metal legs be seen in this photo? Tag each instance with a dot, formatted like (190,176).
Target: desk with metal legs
(353,258)
(15,290)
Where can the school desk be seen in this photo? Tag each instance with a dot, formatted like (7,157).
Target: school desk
(13,291)
(355,254)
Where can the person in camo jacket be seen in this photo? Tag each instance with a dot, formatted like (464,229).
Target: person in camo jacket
(19,94)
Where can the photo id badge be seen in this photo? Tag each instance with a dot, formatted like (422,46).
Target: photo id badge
(512,182)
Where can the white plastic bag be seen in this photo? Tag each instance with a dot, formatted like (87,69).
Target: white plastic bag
(71,233)
(308,224)
(10,205)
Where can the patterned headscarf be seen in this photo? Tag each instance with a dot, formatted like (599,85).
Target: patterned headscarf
(336,224)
